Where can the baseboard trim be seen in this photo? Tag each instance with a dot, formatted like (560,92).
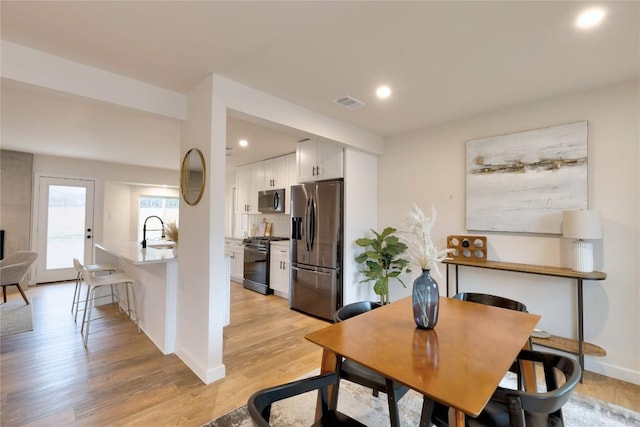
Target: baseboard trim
(612,371)
(207,375)
(598,366)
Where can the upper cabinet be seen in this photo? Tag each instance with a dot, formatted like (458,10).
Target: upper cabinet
(249,180)
(275,173)
(271,174)
(319,161)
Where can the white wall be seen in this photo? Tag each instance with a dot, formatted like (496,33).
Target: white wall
(360,216)
(118,219)
(201,262)
(428,168)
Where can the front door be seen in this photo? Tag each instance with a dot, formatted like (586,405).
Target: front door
(64,227)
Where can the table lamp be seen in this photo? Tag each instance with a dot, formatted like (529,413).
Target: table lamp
(581,225)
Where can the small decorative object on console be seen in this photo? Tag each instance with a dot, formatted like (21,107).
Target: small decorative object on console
(467,248)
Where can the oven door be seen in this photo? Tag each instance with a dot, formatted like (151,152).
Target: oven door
(256,269)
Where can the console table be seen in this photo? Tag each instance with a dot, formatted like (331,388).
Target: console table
(559,343)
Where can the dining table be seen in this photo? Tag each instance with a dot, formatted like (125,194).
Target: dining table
(459,363)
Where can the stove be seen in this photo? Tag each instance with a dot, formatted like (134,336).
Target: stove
(256,262)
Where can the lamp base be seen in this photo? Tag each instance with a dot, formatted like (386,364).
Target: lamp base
(582,256)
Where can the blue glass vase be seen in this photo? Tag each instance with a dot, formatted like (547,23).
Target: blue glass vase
(425,298)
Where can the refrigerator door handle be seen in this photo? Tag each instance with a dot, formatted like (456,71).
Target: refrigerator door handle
(320,273)
(307,224)
(312,225)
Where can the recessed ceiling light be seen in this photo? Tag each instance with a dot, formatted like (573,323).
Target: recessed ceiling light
(243,143)
(383,92)
(590,18)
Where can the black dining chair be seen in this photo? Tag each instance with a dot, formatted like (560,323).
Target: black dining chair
(493,300)
(519,408)
(501,302)
(259,404)
(356,373)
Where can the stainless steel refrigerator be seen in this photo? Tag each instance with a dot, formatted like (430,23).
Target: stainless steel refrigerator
(316,248)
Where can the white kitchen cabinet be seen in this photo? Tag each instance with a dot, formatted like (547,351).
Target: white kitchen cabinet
(249,180)
(279,268)
(292,179)
(275,173)
(317,161)
(235,250)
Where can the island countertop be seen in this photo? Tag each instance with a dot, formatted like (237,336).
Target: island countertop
(133,253)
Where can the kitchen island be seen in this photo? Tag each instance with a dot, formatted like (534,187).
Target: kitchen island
(155,272)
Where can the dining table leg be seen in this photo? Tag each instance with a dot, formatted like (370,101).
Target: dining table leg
(456,417)
(328,365)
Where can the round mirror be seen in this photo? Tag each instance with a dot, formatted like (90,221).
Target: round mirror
(192,176)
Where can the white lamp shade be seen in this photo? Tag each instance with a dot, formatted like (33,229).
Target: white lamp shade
(581,224)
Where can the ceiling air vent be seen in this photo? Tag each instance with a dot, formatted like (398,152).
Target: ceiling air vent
(349,102)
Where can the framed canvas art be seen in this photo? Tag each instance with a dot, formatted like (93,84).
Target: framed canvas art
(521,182)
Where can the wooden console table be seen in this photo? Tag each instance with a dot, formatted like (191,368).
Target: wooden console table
(559,343)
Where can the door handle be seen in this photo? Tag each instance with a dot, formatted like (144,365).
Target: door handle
(319,273)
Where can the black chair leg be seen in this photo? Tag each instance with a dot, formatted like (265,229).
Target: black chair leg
(427,411)
(392,398)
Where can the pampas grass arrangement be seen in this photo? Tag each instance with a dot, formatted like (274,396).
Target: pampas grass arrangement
(171,231)
(422,250)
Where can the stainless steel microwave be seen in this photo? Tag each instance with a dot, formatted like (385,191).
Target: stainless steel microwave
(271,201)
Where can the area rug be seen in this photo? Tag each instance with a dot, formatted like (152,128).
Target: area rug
(15,317)
(358,402)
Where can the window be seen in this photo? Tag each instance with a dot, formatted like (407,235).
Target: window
(164,207)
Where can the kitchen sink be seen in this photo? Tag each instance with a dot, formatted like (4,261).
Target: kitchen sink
(163,245)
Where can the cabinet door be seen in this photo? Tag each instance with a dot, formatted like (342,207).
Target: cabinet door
(276,172)
(280,172)
(257,180)
(243,186)
(269,170)
(238,262)
(286,279)
(319,161)
(292,179)
(306,161)
(275,274)
(330,161)
(279,270)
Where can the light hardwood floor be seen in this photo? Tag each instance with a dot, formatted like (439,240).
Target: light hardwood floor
(49,379)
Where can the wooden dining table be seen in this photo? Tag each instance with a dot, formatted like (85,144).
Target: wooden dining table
(459,363)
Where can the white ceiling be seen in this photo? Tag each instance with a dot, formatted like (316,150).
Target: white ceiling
(443,60)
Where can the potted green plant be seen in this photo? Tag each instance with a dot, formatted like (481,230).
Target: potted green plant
(383,261)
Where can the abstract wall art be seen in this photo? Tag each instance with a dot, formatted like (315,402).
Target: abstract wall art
(521,182)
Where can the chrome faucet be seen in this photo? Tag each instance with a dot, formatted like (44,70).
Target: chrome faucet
(144,229)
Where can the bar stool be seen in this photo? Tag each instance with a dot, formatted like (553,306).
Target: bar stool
(95,283)
(91,268)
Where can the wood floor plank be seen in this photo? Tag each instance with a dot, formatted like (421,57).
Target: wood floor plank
(122,379)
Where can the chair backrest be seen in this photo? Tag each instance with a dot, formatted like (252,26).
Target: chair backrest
(15,267)
(259,404)
(508,407)
(354,309)
(493,300)
(541,408)
(77,265)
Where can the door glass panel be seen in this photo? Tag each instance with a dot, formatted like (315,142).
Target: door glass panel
(65,226)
